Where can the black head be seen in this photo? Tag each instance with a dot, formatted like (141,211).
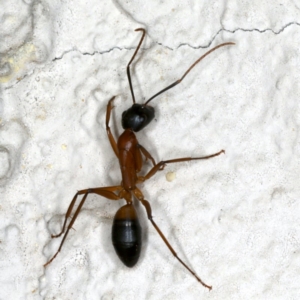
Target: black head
(137,117)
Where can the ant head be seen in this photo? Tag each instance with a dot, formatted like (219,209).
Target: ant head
(137,117)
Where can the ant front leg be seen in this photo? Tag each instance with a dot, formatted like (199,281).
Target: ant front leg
(109,134)
(160,166)
(107,192)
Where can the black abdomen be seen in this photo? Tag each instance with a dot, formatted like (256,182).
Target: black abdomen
(127,235)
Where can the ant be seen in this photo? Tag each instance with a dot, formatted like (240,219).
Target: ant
(126,229)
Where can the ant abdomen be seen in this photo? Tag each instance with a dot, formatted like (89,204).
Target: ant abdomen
(127,235)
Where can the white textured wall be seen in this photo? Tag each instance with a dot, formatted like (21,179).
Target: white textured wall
(234,219)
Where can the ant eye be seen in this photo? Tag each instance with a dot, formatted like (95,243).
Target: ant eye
(137,117)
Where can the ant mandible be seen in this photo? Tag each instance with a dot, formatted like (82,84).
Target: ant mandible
(126,229)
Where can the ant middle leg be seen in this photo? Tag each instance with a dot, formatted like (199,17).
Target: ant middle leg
(161,165)
(107,192)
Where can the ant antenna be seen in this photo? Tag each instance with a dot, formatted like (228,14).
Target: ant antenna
(128,69)
(189,69)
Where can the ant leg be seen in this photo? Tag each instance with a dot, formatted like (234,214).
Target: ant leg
(160,166)
(140,197)
(147,154)
(109,134)
(107,192)
(139,159)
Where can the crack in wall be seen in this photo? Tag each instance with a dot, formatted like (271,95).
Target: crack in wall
(90,54)
(75,49)
(181,44)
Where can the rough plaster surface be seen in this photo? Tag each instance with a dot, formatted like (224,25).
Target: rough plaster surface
(234,219)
